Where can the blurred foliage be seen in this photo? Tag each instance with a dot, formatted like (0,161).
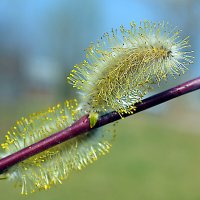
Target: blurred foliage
(155,156)
(150,159)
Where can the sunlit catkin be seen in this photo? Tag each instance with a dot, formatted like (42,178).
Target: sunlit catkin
(118,71)
(121,68)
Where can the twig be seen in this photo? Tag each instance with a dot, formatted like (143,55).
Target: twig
(83,125)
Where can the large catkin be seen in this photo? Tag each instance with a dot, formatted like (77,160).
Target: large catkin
(121,68)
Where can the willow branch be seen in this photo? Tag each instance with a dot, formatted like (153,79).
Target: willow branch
(83,125)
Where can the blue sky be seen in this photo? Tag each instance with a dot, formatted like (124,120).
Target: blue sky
(25,17)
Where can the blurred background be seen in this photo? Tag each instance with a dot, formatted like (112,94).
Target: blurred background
(157,152)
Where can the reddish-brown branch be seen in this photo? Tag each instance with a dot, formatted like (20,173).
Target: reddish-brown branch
(83,125)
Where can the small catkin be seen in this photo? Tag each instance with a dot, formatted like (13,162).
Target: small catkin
(54,165)
(121,68)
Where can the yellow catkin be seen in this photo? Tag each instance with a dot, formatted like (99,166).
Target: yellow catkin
(117,72)
(54,165)
(121,68)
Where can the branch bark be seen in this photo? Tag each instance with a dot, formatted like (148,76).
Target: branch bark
(82,125)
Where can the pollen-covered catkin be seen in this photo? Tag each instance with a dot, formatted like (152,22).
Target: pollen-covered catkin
(121,68)
(50,167)
(118,71)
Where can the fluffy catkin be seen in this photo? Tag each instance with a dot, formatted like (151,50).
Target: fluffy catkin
(54,165)
(118,71)
(121,68)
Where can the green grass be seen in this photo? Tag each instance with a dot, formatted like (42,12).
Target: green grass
(152,158)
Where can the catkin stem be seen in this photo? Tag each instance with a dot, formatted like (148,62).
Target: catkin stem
(83,125)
